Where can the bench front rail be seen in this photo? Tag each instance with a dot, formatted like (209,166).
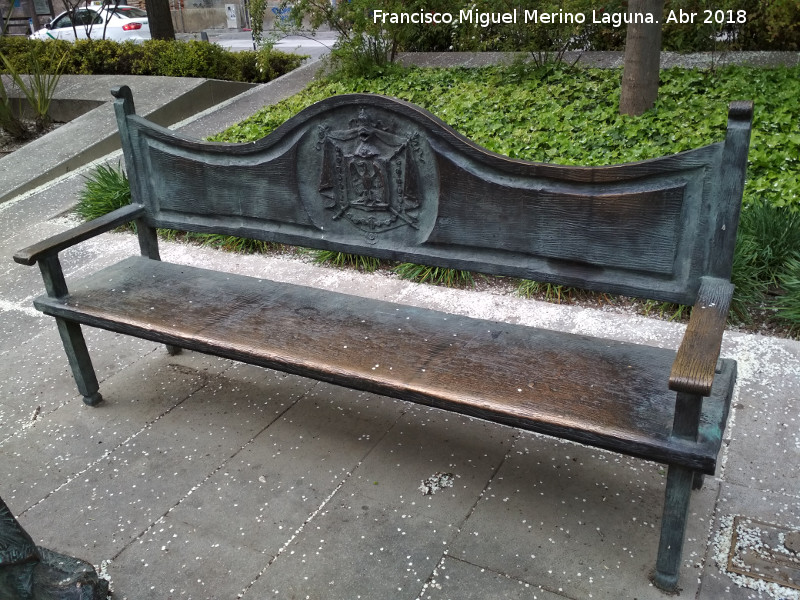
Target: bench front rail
(377,176)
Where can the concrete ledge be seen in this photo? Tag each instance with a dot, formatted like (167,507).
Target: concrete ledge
(164,100)
(700,60)
(234,110)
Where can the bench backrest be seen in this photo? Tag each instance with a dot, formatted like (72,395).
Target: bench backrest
(377,176)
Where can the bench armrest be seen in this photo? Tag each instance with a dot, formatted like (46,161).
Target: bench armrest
(694,367)
(57,243)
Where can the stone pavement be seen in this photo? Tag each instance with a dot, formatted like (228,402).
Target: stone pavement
(203,478)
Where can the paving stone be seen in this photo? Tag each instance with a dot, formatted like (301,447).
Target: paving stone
(422,442)
(123,494)
(268,490)
(769,507)
(353,550)
(277,482)
(427,442)
(38,377)
(17,324)
(179,560)
(554,504)
(70,439)
(458,580)
(764,429)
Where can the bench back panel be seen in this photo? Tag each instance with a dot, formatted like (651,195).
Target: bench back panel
(376,176)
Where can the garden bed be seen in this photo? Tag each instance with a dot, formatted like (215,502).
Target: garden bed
(9,144)
(569,116)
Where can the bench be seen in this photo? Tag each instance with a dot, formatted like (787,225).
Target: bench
(377,176)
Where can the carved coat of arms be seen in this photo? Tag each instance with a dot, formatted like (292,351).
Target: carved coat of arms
(369,175)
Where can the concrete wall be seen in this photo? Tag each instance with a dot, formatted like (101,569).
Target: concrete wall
(61,110)
(192,20)
(198,15)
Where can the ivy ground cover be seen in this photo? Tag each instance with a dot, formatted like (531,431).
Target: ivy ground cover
(570,116)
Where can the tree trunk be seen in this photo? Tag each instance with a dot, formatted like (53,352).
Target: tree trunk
(30,11)
(160,20)
(642,58)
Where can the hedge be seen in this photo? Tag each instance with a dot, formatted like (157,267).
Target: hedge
(153,57)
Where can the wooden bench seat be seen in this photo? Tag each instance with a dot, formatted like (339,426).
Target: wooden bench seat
(380,177)
(602,392)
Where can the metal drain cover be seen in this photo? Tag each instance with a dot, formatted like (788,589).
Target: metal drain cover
(765,551)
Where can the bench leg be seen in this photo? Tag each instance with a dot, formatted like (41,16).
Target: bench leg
(699,480)
(173,350)
(79,361)
(673,527)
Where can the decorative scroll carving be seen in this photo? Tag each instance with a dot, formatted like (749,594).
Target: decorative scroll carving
(370,174)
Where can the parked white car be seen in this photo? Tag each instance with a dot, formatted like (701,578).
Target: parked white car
(121,24)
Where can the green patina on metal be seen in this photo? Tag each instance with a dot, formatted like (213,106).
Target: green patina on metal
(376,176)
(29,572)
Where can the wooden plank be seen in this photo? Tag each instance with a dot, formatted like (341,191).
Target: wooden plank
(599,392)
(693,370)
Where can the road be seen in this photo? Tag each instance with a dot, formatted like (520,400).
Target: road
(314,46)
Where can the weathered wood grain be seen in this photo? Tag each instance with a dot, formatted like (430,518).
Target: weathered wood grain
(600,392)
(694,367)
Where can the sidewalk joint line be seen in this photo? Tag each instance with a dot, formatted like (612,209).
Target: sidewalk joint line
(445,553)
(300,529)
(108,453)
(221,465)
(24,426)
(322,506)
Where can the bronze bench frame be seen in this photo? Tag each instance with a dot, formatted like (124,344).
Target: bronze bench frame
(377,176)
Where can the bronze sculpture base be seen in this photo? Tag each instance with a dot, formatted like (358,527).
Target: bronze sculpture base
(30,572)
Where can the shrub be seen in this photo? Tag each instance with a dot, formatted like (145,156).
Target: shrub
(232,243)
(18,50)
(773,25)
(9,121)
(42,68)
(363,43)
(435,275)
(271,63)
(153,57)
(106,190)
(103,57)
(367,264)
(788,304)
(549,291)
(765,259)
